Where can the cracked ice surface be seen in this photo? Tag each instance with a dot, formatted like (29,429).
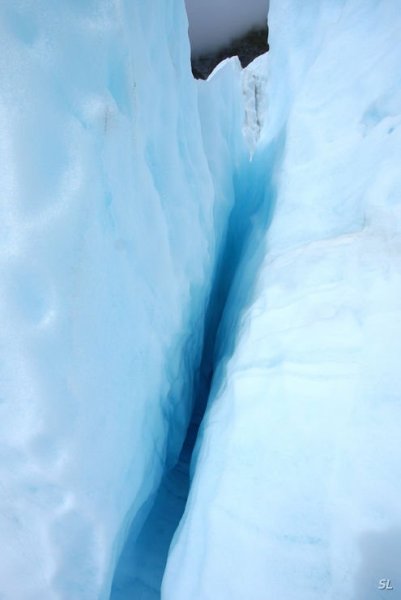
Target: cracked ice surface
(296,484)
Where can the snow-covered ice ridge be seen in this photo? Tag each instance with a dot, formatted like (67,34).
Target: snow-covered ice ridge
(142,250)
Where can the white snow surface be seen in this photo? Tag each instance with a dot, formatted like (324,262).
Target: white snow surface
(297,476)
(111,219)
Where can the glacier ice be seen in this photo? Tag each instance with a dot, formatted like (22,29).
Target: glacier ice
(141,566)
(110,233)
(167,243)
(296,481)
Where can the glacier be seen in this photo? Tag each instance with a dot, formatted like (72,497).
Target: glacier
(111,226)
(295,492)
(200,306)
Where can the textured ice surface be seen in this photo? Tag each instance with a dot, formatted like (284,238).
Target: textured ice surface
(109,217)
(255,88)
(296,486)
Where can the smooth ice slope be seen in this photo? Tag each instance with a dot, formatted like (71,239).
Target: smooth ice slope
(297,482)
(108,242)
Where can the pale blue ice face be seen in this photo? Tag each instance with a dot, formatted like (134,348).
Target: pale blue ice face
(108,242)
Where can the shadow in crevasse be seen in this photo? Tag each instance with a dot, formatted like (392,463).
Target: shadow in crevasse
(140,569)
(379,573)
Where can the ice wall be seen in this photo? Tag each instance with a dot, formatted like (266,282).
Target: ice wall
(221,110)
(109,218)
(296,484)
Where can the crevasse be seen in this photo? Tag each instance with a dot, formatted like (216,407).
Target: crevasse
(148,265)
(142,562)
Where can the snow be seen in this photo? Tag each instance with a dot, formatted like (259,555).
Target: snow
(296,487)
(213,24)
